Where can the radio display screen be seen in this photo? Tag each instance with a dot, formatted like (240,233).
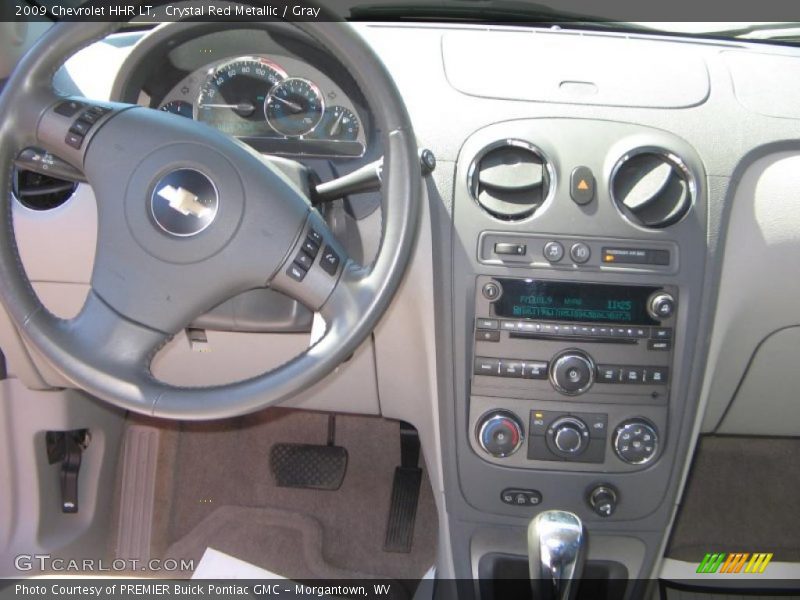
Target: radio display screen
(568,301)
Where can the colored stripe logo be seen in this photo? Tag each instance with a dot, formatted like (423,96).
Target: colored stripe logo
(736,562)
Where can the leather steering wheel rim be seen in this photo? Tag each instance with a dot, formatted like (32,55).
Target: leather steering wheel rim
(106,350)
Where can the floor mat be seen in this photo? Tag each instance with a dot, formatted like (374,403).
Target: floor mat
(227,464)
(741,497)
(282,541)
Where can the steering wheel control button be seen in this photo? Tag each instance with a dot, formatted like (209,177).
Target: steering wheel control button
(74,140)
(603,500)
(80,127)
(330,261)
(296,272)
(507,249)
(68,108)
(580,253)
(315,235)
(553,251)
(568,436)
(487,366)
(184,202)
(499,433)
(486,335)
(303,260)
(491,290)
(581,185)
(636,442)
(572,372)
(310,247)
(521,497)
(661,305)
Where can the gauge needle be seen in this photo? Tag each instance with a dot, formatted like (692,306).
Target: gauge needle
(337,125)
(293,106)
(243,107)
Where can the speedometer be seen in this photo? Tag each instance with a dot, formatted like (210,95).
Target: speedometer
(294,107)
(233,96)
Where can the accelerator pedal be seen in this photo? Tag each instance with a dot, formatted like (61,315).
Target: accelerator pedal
(310,466)
(405,494)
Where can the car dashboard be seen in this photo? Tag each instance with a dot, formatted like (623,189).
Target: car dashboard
(577,293)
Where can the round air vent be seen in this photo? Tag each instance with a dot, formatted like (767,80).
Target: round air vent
(41,192)
(652,188)
(510,179)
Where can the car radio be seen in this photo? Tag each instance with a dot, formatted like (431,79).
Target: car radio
(563,345)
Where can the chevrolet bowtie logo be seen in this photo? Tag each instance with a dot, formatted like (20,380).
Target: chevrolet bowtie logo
(184,201)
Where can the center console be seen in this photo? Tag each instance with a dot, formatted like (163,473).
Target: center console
(578,255)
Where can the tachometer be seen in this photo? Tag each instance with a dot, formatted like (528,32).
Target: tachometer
(233,96)
(294,107)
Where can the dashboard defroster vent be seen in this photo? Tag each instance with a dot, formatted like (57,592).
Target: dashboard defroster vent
(653,188)
(510,179)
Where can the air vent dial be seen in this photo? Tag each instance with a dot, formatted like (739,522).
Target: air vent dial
(510,179)
(653,188)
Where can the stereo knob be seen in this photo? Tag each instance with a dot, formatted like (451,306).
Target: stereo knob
(499,433)
(572,372)
(661,305)
(569,435)
(636,442)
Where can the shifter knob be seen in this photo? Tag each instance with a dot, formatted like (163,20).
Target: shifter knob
(556,554)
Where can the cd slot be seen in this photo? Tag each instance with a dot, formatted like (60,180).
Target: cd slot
(577,338)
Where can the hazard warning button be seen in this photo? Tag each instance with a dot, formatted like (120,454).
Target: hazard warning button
(581,185)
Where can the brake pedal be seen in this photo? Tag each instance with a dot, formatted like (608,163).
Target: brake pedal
(310,465)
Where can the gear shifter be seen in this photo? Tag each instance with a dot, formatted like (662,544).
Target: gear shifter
(556,554)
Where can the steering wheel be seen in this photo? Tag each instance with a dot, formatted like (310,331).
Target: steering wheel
(187,218)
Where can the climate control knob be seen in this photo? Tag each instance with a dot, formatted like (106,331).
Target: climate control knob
(499,433)
(636,441)
(572,372)
(568,436)
(661,305)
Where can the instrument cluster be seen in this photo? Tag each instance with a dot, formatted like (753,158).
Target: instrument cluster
(276,104)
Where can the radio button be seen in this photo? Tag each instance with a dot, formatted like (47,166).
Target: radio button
(510,368)
(505,248)
(553,251)
(487,335)
(508,325)
(534,370)
(572,373)
(659,345)
(486,323)
(661,333)
(529,327)
(632,375)
(491,291)
(607,374)
(658,375)
(487,366)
